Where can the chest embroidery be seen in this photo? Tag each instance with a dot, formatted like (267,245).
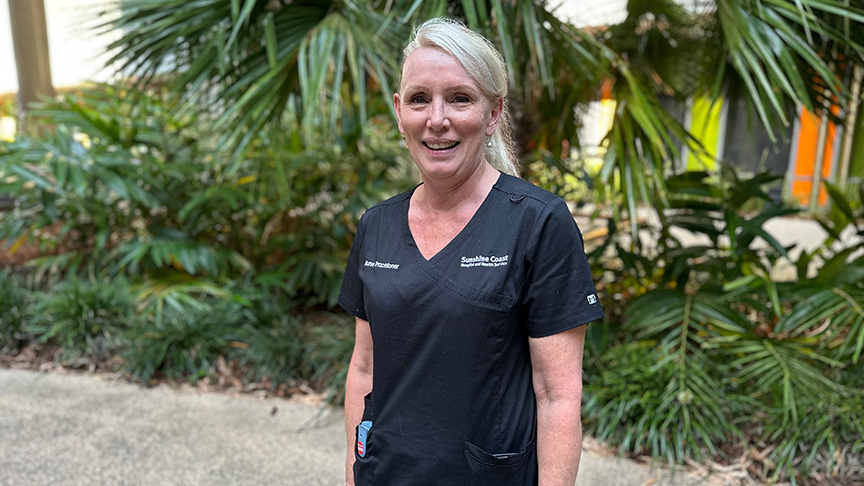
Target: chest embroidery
(484,261)
(377,264)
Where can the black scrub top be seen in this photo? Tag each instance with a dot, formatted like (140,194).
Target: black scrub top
(452,400)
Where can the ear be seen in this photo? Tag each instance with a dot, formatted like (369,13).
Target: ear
(497,109)
(397,102)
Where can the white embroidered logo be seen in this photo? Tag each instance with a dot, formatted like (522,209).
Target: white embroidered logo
(592,299)
(484,261)
(377,264)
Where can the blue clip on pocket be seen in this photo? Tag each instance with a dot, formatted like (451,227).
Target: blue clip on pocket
(363,437)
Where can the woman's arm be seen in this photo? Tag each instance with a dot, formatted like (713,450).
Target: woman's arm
(557,376)
(357,385)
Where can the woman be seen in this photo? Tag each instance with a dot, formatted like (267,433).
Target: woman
(470,293)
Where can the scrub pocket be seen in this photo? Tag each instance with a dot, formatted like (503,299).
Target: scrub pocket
(507,469)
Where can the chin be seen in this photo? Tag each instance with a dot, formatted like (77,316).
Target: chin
(440,170)
(443,169)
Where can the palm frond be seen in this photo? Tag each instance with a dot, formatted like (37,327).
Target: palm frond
(777,47)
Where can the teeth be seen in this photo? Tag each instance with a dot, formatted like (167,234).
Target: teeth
(440,146)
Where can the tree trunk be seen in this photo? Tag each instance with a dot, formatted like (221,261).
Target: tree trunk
(30,39)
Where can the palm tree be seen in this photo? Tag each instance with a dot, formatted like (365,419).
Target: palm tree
(252,59)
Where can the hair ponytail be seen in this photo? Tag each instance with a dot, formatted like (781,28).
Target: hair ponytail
(501,154)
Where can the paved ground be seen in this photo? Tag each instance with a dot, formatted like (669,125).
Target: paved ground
(71,430)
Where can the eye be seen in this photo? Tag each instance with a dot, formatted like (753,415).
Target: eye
(461,99)
(418,98)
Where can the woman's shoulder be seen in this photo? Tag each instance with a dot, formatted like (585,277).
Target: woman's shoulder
(520,188)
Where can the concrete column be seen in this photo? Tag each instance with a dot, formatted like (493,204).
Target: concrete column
(30,39)
(849,128)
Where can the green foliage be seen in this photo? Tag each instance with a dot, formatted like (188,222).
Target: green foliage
(107,187)
(726,352)
(826,437)
(643,396)
(181,344)
(249,58)
(135,189)
(275,352)
(180,329)
(845,214)
(252,60)
(273,335)
(258,328)
(84,317)
(14,302)
(249,63)
(567,177)
(283,346)
(310,195)
(179,293)
(773,53)
(330,345)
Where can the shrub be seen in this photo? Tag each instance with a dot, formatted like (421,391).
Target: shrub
(181,344)
(106,186)
(329,345)
(85,318)
(285,345)
(13,311)
(712,350)
(125,185)
(274,333)
(645,397)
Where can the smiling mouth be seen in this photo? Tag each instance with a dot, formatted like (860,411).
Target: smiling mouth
(440,146)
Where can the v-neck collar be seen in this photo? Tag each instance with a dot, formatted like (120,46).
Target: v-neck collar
(475,222)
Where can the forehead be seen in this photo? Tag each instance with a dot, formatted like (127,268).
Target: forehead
(427,65)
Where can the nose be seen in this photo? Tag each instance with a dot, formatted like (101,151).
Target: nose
(438,118)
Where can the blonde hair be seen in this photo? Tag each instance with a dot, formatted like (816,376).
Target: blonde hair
(485,66)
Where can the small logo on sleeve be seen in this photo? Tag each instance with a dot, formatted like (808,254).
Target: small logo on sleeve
(377,264)
(592,299)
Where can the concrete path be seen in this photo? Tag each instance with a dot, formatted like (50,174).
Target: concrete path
(71,430)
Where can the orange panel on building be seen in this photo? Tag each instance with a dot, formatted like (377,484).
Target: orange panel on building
(805,157)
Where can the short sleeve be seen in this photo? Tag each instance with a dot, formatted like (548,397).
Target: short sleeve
(351,292)
(559,292)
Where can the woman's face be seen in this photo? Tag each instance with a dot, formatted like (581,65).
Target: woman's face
(443,115)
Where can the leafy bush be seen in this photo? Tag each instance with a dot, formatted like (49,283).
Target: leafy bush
(329,346)
(13,311)
(823,446)
(259,329)
(106,186)
(642,398)
(273,333)
(85,318)
(713,350)
(126,185)
(182,344)
(286,346)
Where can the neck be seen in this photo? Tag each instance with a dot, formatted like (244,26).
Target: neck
(442,196)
